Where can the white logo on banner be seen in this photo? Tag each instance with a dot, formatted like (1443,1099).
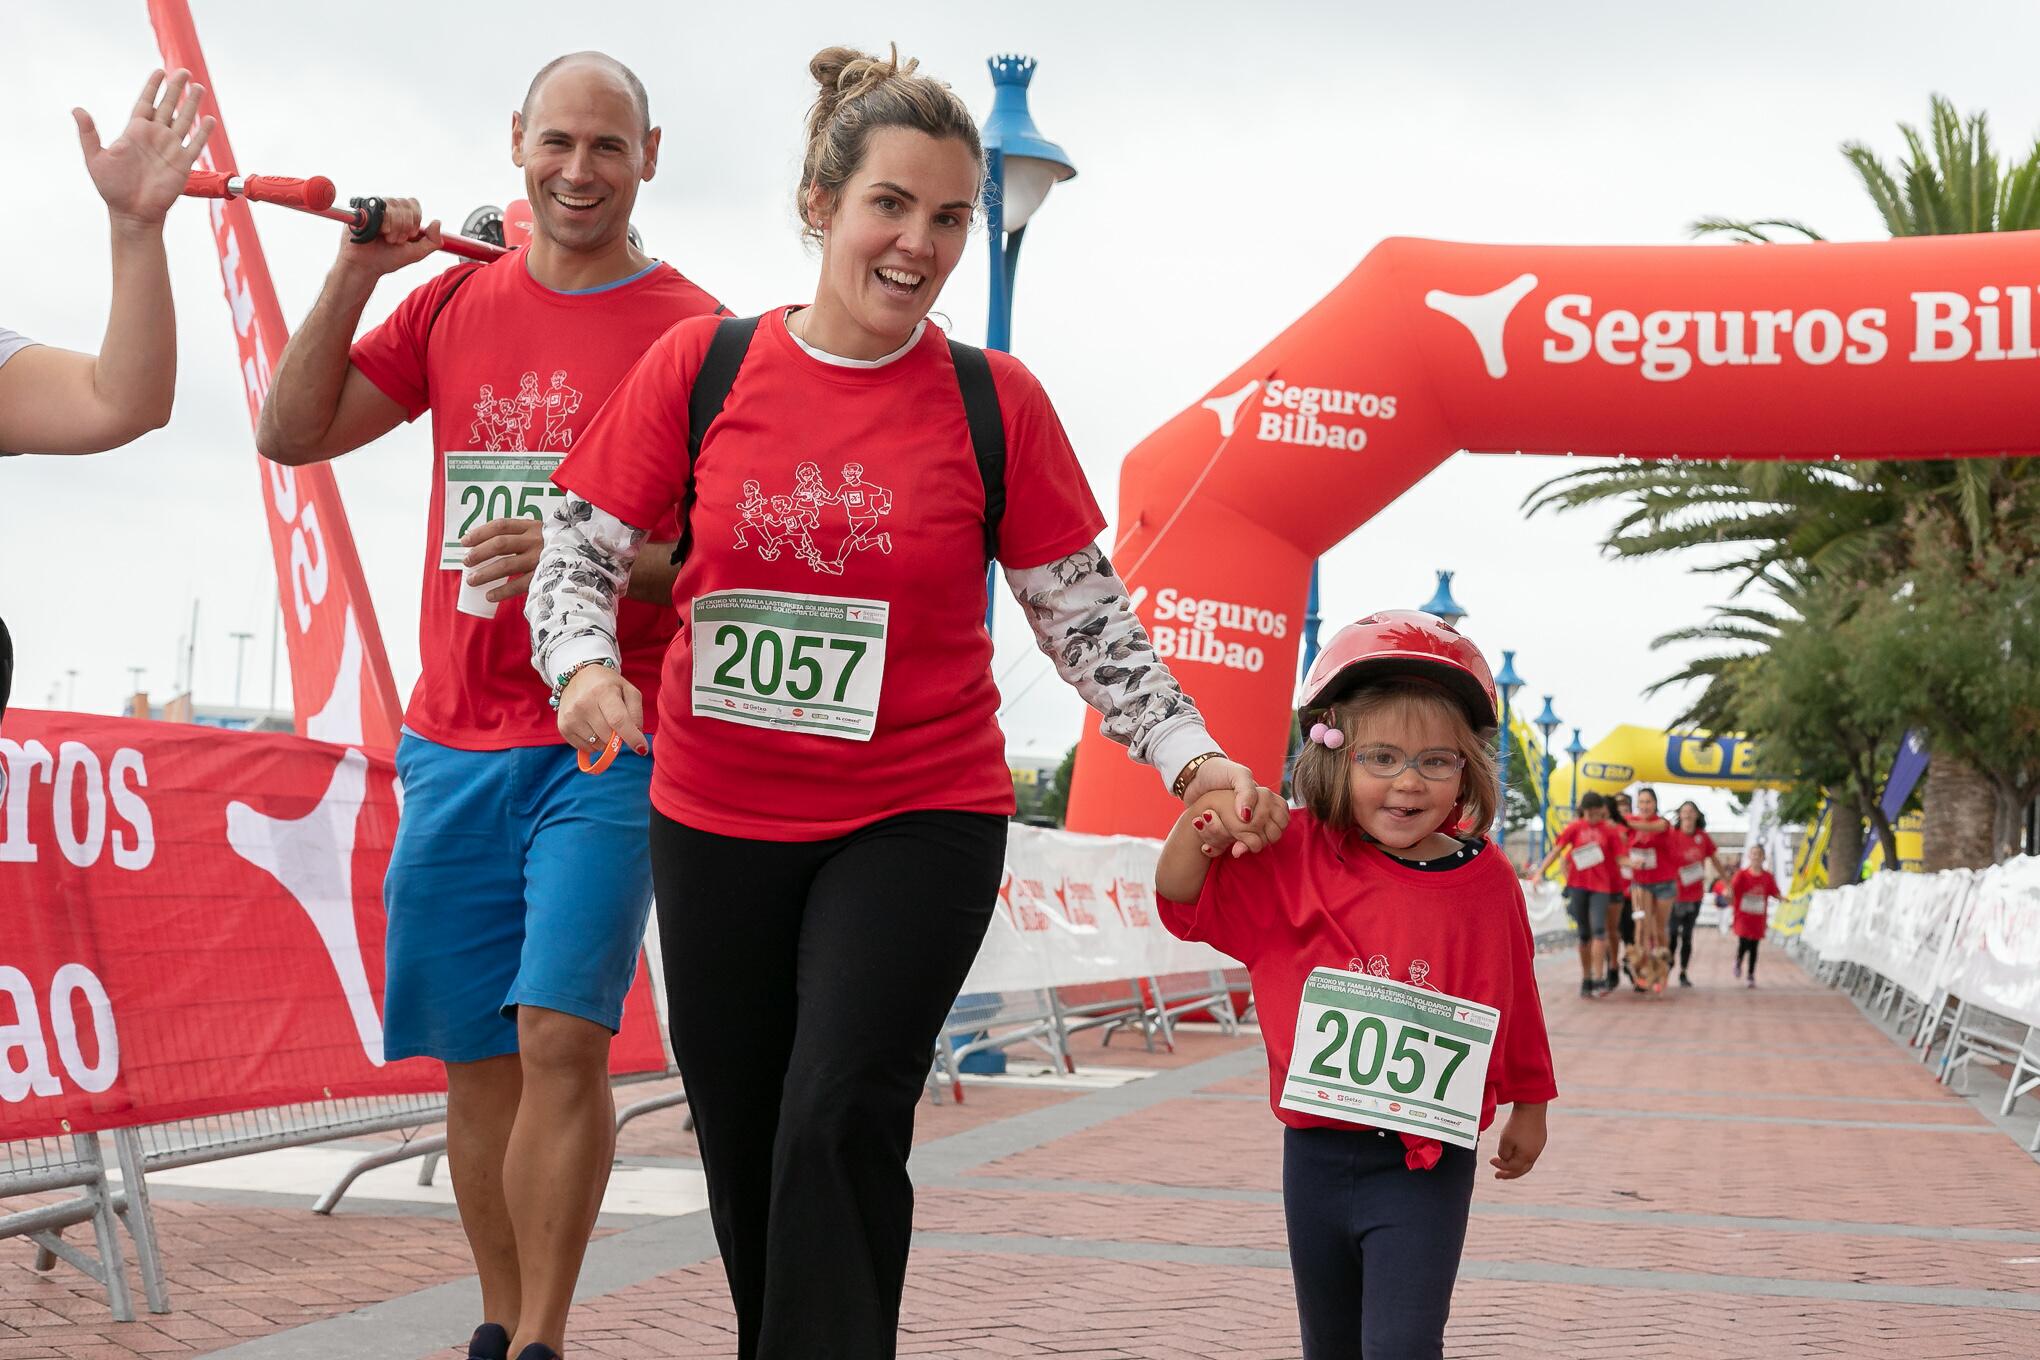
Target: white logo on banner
(340,720)
(1227,408)
(313,858)
(1485,316)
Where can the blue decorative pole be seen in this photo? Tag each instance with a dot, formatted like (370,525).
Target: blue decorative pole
(1507,682)
(1310,622)
(1021,167)
(1576,750)
(1547,722)
(1441,604)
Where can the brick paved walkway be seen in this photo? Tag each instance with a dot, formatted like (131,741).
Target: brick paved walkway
(1732,1173)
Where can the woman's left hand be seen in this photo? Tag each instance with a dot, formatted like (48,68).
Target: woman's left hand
(1219,774)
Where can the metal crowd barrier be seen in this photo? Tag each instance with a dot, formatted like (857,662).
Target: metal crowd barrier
(39,1165)
(1045,1019)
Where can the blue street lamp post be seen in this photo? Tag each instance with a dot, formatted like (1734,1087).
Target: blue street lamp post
(1507,682)
(1021,166)
(1547,722)
(1441,604)
(1576,750)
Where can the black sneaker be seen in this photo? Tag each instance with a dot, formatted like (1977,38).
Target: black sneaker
(490,1342)
(1589,988)
(1685,981)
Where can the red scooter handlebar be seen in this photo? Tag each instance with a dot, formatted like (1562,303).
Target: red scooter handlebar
(315,196)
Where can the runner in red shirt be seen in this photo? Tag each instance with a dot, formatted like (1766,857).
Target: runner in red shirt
(1750,895)
(1591,848)
(518,891)
(1378,877)
(1657,874)
(831,792)
(1626,907)
(1692,849)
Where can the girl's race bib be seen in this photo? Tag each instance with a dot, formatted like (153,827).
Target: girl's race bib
(1587,856)
(1755,903)
(1689,874)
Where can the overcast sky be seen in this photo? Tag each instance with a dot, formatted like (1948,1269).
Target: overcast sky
(1234,164)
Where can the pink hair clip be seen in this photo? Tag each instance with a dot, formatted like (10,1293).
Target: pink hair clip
(1331,738)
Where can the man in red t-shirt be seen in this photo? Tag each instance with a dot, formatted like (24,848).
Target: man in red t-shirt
(518,891)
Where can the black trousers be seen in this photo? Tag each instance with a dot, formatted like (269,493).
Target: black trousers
(1746,949)
(1685,916)
(1374,1246)
(806,982)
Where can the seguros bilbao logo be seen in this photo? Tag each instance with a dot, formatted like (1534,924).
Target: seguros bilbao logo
(1189,628)
(1666,344)
(1304,416)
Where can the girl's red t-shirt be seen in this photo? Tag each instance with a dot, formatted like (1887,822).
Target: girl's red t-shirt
(1687,850)
(1318,899)
(841,511)
(1749,925)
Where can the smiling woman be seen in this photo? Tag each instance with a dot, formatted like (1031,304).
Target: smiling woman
(829,786)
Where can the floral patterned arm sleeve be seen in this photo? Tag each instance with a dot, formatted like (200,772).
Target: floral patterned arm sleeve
(1084,622)
(571,605)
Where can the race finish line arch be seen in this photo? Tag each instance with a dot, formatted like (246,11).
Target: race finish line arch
(1914,348)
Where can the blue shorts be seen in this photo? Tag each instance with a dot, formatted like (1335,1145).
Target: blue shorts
(516,880)
(1663,890)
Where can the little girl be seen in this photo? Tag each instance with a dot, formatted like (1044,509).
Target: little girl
(1391,965)
(1750,894)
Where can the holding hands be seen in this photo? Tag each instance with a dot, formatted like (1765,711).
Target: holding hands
(1221,828)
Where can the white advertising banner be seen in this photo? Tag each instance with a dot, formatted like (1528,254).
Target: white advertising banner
(1975,935)
(1995,959)
(1076,909)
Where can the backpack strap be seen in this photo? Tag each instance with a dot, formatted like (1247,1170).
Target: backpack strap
(446,297)
(726,351)
(987,433)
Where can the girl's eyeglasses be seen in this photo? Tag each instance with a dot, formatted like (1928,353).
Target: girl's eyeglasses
(1386,762)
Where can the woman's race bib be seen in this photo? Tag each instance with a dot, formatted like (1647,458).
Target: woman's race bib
(1646,857)
(800,663)
(1587,856)
(1689,874)
(1390,1055)
(1755,903)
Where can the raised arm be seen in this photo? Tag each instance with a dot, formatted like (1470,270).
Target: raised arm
(321,406)
(58,401)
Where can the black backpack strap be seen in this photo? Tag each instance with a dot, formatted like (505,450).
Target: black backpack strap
(726,351)
(987,433)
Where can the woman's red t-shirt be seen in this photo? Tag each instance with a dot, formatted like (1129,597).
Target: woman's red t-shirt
(855,486)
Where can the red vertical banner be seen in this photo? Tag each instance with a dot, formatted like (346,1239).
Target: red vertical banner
(340,676)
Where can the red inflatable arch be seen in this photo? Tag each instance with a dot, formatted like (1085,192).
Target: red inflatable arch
(1892,349)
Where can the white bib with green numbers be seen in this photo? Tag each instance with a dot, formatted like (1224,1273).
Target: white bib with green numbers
(484,486)
(1689,874)
(800,663)
(1390,1055)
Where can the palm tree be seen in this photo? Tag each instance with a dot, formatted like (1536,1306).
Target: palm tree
(1851,521)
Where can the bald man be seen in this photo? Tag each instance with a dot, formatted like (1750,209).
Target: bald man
(518,888)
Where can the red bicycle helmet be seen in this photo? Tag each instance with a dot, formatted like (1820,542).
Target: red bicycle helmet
(1401,642)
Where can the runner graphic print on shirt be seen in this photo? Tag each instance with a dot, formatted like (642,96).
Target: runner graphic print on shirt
(776,524)
(506,424)
(1377,965)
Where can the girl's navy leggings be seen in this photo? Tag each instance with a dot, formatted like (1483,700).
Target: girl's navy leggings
(1374,1246)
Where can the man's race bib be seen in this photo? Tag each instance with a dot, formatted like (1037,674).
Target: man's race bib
(1754,903)
(1390,1055)
(1689,874)
(483,486)
(1646,858)
(800,663)
(1588,855)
